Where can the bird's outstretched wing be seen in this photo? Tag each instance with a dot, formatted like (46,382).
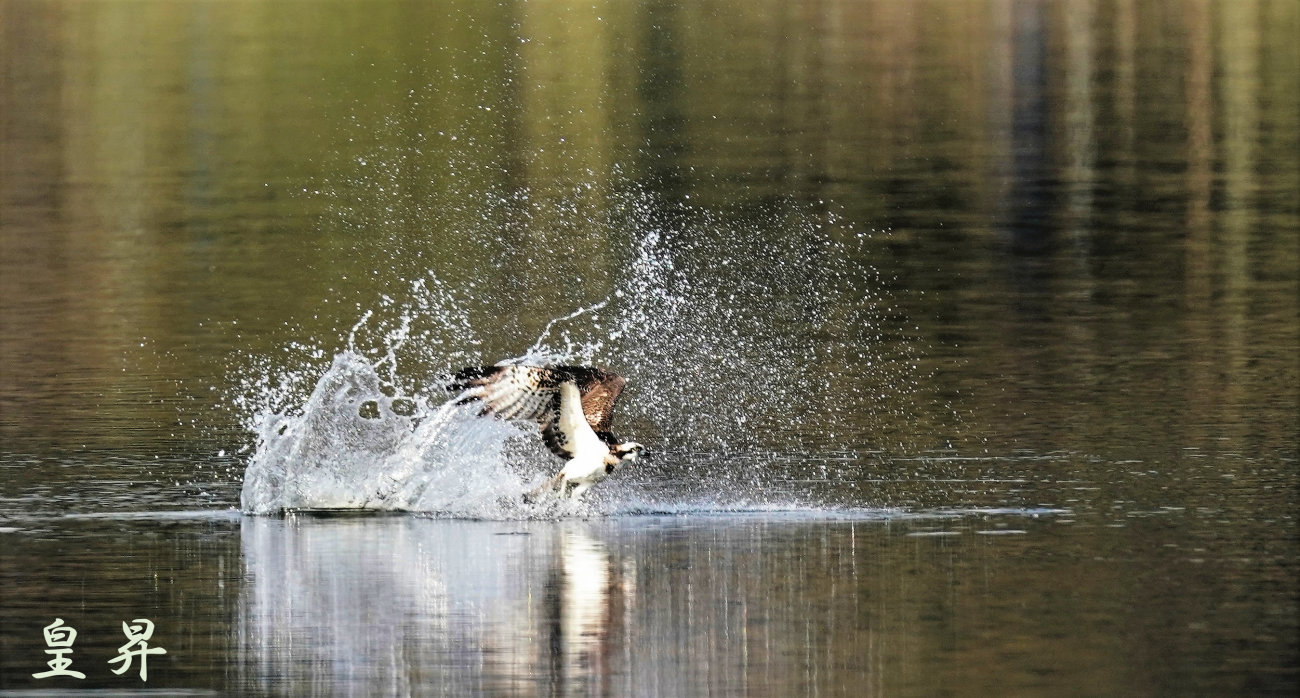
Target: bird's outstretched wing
(533,392)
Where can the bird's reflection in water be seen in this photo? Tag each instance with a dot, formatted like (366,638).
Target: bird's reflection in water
(586,595)
(400,604)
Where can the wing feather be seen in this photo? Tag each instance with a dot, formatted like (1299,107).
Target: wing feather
(510,392)
(533,393)
(599,393)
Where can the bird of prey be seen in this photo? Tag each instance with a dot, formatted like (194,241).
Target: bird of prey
(574,406)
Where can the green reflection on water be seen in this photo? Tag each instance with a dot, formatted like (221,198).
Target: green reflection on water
(1086,242)
(187,182)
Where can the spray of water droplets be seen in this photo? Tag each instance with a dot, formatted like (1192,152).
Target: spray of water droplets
(758,345)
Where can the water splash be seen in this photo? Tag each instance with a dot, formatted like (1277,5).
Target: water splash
(538,353)
(751,340)
(354,447)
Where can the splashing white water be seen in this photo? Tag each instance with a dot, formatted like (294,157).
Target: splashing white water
(354,447)
(365,439)
(769,350)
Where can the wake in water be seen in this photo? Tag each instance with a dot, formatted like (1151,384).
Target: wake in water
(775,349)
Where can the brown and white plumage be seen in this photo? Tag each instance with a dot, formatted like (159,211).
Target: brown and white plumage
(574,405)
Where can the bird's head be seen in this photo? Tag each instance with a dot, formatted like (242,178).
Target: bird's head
(628,451)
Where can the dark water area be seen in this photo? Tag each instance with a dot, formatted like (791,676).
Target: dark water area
(770,603)
(965,334)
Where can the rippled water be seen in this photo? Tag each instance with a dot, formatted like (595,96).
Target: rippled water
(964,336)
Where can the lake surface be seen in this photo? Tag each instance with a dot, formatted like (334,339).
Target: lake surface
(964,336)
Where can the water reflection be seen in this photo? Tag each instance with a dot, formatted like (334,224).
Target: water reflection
(1091,221)
(403,605)
(153,196)
(690,605)
(399,603)
(796,603)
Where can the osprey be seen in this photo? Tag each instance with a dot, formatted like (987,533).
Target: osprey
(574,406)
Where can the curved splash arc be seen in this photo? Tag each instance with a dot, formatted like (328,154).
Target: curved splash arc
(351,449)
